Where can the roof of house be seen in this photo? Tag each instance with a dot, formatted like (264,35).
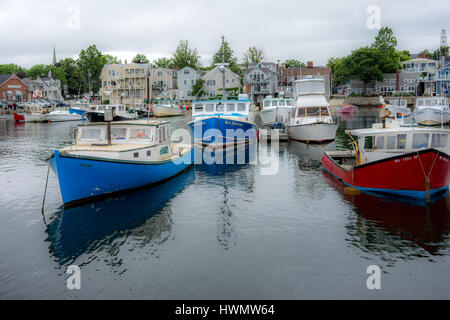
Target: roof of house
(215,69)
(4,78)
(305,71)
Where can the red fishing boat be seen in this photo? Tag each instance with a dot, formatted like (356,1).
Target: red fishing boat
(347,109)
(401,161)
(18,117)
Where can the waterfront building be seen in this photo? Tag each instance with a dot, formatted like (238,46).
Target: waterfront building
(51,87)
(125,83)
(163,82)
(261,79)
(427,70)
(35,88)
(12,88)
(186,79)
(443,79)
(213,81)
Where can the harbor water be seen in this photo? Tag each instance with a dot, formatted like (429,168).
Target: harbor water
(218,231)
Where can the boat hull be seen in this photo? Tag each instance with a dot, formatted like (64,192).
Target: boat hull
(400,175)
(315,132)
(18,117)
(35,118)
(219,131)
(62,117)
(163,111)
(274,115)
(431,116)
(83,179)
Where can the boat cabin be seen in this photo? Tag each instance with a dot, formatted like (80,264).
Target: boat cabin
(403,103)
(118,108)
(271,102)
(375,143)
(130,140)
(166,102)
(308,86)
(431,102)
(221,107)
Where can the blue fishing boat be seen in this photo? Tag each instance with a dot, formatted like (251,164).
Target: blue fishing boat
(119,156)
(218,123)
(225,122)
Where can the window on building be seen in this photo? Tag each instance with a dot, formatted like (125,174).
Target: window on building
(186,71)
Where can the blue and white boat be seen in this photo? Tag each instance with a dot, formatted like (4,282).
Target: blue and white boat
(137,154)
(219,123)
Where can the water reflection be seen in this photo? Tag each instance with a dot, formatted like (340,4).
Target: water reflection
(144,215)
(234,174)
(392,229)
(309,155)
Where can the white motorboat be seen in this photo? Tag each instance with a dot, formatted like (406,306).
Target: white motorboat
(431,111)
(276,110)
(36,114)
(311,121)
(166,108)
(59,115)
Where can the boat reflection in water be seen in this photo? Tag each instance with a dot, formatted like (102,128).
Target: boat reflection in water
(381,222)
(144,215)
(309,155)
(231,180)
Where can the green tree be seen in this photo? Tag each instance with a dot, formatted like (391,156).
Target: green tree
(90,64)
(362,64)
(197,88)
(404,55)
(184,56)
(10,68)
(426,53)
(229,58)
(293,63)
(253,55)
(163,63)
(72,74)
(441,52)
(112,59)
(140,58)
(386,43)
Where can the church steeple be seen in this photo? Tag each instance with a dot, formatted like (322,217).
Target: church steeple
(54,55)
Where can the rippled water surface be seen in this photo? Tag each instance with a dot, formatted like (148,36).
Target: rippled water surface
(215,231)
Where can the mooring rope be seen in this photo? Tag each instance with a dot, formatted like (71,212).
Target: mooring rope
(45,190)
(427,177)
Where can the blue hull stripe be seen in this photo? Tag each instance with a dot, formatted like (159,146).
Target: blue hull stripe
(86,178)
(401,193)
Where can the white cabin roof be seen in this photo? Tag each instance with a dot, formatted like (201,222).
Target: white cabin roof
(395,129)
(312,101)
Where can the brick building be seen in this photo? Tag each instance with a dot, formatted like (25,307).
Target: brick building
(12,88)
(288,75)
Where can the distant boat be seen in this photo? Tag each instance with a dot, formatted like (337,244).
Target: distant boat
(140,154)
(432,111)
(166,108)
(276,110)
(36,114)
(311,121)
(60,115)
(347,108)
(96,113)
(18,117)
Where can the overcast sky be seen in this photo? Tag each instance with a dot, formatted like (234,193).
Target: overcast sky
(313,30)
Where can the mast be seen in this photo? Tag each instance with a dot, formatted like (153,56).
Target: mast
(222,68)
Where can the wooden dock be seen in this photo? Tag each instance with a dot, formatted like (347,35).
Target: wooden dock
(271,134)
